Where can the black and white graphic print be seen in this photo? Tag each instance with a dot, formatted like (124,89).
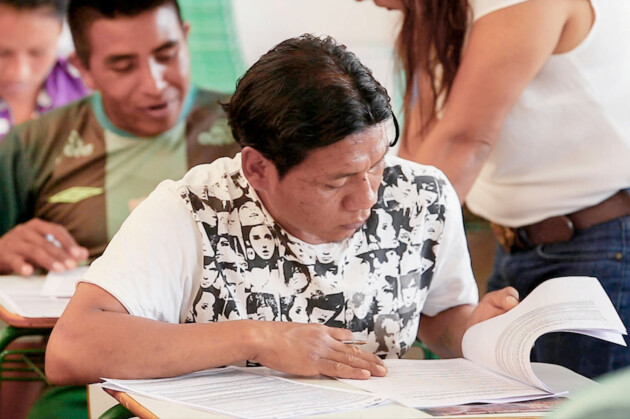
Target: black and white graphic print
(374,283)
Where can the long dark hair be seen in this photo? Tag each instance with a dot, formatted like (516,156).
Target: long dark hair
(430,45)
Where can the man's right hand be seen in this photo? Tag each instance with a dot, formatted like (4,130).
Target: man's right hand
(313,349)
(38,243)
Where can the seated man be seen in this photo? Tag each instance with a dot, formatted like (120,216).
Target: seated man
(69,179)
(315,128)
(32,79)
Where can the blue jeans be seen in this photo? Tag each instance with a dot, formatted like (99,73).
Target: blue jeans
(602,251)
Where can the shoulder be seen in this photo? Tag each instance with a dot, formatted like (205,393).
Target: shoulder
(55,124)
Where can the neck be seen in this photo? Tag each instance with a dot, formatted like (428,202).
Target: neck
(22,106)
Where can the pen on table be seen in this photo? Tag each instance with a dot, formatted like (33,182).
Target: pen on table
(354,342)
(51,238)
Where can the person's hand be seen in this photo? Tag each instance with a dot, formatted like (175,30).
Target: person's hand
(313,349)
(492,304)
(38,243)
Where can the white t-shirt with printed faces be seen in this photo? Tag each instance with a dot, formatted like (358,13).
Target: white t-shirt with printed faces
(228,259)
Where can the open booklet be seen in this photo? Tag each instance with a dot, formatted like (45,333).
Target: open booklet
(496,365)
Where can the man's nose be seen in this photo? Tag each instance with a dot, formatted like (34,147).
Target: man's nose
(363,196)
(18,69)
(153,79)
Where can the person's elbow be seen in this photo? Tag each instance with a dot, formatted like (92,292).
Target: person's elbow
(63,359)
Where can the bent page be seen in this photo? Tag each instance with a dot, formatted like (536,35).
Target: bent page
(237,392)
(567,304)
(445,382)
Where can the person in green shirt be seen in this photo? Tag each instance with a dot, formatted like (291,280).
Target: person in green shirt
(69,179)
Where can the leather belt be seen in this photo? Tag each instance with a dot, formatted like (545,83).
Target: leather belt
(562,227)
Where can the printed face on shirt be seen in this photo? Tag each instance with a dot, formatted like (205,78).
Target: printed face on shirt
(436,225)
(321,315)
(297,311)
(225,252)
(250,214)
(140,65)
(298,280)
(204,307)
(385,233)
(261,240)
(28,48)
(328,196)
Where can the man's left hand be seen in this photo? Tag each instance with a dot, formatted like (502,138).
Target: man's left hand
(492,304)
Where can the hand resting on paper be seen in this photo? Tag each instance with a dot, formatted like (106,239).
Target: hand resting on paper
(312,349)
(38,243)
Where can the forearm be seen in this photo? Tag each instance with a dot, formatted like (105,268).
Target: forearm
(443,332)
(118,345)
(460,155)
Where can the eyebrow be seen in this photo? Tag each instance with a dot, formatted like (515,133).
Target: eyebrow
(349,174)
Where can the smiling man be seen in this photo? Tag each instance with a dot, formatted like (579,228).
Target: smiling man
(69,179)
(315,128)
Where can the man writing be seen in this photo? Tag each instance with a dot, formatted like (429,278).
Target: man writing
(69,179)
(315,128)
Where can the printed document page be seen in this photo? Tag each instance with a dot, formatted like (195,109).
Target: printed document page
(237,392)
(577,304)
(22,296)
(445,382)
(62,284)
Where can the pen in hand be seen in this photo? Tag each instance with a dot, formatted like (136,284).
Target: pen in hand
(354,342)
(52,239)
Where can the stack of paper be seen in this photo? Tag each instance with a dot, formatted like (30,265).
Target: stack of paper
(239,392)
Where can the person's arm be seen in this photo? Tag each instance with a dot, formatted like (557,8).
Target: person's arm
(443,333)
(96,337)
(505,51)
(25,242)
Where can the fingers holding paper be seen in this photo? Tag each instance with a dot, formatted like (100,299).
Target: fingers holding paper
(493,304)
(38,243)
(313,349)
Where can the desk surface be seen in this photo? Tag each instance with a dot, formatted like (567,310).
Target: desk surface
(554,376)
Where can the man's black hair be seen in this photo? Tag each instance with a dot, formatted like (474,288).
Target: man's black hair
(305,93)
(56,8)
(82,13)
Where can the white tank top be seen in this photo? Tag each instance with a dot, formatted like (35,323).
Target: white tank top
(566,143)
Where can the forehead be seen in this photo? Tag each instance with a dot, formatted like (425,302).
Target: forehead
(356,153)
(139,34)
(26,27)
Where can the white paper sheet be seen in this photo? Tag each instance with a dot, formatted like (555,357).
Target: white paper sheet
(22,296)
(237,392)
(62,284)
(445,382)
(568,304)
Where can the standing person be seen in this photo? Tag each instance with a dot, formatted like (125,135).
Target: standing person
(33,80)
(523,105)
(315,129)
(70,178)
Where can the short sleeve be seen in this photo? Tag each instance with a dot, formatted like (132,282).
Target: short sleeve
(453,281)
(480,8)
(152,263)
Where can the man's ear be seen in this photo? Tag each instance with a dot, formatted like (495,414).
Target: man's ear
(186,29)
(260,172)
(86,75)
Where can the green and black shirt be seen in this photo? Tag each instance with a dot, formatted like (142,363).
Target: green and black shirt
(74,168)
